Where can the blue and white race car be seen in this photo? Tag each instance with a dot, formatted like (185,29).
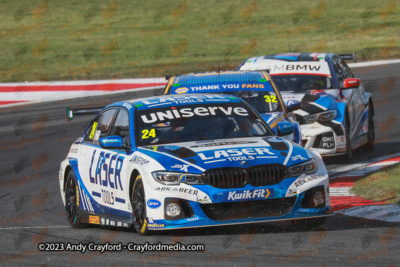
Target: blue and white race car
(337,114)
(255,87)
(155,163)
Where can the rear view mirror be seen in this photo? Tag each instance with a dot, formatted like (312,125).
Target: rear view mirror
(293,105)
(114,141)
(351,83)
(284,128)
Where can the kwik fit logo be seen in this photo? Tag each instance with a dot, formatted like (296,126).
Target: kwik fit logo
(249,194)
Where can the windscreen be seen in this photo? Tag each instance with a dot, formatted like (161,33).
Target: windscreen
(295,82)
(262,101)
(198,122)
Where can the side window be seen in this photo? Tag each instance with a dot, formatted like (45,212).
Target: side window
(346,73)
(105,121)
(100,126)
(338,71)
(89,135)
(121,126)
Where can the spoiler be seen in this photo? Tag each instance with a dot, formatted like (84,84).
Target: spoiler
(71,112)
(349,57)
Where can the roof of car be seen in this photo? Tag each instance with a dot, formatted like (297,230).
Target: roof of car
(289,62)
(173,100)
(294,56)
(219,77)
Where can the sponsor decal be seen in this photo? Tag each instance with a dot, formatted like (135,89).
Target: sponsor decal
(112,223)
(181,99)
(307,179)
(139,160)
(103,221)
(181,90)
(155,225)
(182,177)
(176,189)
(153,203)
(77,196)
(192,219)
(144,226)
(225,143)
(94,219)
(204,200)
(235,154)
(294,67)
(297,157)
(125,225)
(107,171)
(248,194)
(180,167)
(119,224)
(107,221)
(127,105)
(188,112)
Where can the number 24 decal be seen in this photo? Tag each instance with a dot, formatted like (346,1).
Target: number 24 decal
(271,98)
(146,133)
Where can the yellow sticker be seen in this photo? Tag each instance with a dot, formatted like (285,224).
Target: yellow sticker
(146,133)
(144,226)
(77,196)
(271,98)
(93,130)
(94,219)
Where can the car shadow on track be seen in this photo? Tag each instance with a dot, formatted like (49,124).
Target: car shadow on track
(336,222)
(363,154)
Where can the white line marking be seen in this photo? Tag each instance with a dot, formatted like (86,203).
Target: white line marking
(290,152)
(33,227)
(165,103)
(373,63)
(267,157)
(215,161)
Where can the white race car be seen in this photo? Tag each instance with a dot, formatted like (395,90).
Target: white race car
(189,161)
(337,114)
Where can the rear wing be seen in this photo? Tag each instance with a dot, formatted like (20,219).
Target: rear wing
(71,112)
(349,57)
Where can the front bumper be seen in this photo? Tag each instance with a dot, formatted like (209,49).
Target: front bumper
(323,139)
(285,201)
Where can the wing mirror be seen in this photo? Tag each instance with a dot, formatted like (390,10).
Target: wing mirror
(284,128)
(114,141)
(351,83)
(292,105)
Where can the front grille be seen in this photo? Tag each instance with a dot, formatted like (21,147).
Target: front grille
(261,175)
(249,209)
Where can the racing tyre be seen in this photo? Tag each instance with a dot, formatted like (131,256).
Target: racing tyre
(138,201)
(349,154)
(371,129)
(309,224)
(72,201)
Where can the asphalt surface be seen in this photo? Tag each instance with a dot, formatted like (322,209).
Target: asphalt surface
(36,138)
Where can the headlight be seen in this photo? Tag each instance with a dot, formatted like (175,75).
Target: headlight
(320,117)
(174,178)
(308,167)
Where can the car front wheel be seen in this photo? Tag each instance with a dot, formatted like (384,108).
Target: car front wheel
(138,201)
(72,200)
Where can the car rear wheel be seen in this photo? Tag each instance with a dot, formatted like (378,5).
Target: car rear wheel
(72,201)
(138,201)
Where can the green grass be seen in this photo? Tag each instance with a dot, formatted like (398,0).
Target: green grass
(71,40)
(380,186)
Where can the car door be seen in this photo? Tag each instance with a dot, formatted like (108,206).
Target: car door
(102,168)
(351,98)
(357,103)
